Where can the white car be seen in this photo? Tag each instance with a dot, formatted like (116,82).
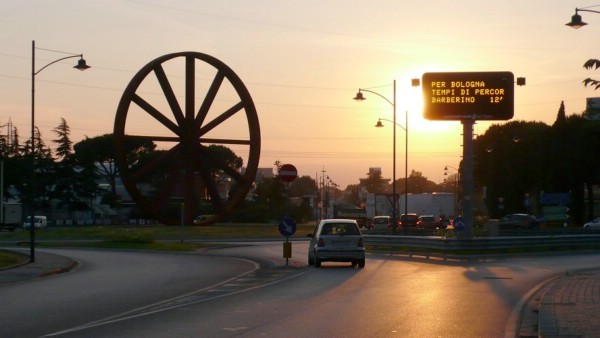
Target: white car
(38,221)
(336,240)
(594,224)
(381,223)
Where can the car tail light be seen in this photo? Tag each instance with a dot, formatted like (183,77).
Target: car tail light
(361,243)
(321,242)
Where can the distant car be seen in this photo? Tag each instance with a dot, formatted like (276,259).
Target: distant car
(200,219)
(408,220)
(518,221)
(426,222)
(336,240)
(593,224)
(380,223)
(38,221)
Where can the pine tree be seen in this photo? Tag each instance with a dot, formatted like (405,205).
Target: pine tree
(561,117)
(64,150)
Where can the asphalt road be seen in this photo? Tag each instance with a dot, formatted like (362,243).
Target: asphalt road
(132,294)
(105,284)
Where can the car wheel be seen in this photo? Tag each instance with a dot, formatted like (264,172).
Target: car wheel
(311,261)
(354,263)
(317,262)
(361,263)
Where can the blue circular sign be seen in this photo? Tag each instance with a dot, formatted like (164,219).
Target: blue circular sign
(459,224)
(287,226)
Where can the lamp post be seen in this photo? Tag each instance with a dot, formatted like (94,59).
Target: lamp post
(359,97)
(81,65)
(380,125)
(576,21)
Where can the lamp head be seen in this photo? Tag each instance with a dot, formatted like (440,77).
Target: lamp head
(576,21)
(81,65)
(379,124)
(359,96)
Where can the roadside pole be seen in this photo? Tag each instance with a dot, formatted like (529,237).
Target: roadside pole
(287,226)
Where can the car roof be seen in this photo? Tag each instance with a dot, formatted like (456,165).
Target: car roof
(337,220)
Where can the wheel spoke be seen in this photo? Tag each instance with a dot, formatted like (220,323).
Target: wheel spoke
(166,190)
(222,118)
(155,138)
(217,162)
(224,141)
(155,113)
(210,97)
(190,88)
(211,188)
(169,94)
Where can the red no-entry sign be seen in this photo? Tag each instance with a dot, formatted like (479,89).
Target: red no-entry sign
(288,173)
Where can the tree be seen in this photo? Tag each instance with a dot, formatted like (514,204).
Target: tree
(511,164)
(44,166)
(270,195)
(302,186)
(64,173)
(417,183)
(561,117)
(97,155)
(589,64)
(74,185)
(64,149)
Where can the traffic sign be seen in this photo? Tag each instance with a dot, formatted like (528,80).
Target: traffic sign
(288,173)
(459,224)
(468,95)
(287,227)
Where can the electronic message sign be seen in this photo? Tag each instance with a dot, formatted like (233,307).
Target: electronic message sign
(468,95)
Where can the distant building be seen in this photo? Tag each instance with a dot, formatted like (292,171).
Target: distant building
(262,173)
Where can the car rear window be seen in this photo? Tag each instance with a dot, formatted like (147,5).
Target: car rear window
(340,229)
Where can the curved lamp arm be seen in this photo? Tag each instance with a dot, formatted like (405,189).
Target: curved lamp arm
(360,97)
(585,10)
(379,124)
(81,65)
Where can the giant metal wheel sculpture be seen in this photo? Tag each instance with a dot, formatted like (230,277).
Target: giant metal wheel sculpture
(184,178)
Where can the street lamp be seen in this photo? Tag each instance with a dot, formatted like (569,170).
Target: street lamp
(576,21)
(360,97)
(81,65)
(380,125)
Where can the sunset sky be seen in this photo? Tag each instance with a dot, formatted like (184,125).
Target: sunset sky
(303,62)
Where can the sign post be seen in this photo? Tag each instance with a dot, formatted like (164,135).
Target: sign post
(287,226)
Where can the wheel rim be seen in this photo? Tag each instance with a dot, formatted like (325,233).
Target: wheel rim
(186,179)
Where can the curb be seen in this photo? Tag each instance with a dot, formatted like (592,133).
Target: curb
(57,271)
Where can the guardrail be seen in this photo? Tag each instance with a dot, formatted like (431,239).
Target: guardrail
(436,246)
